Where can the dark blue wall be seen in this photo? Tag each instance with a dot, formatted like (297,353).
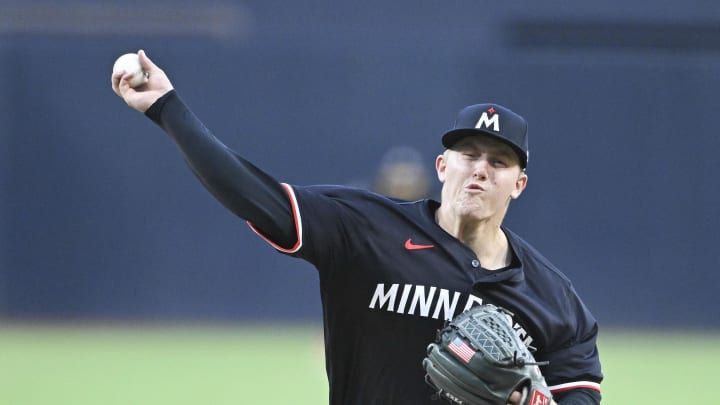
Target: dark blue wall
(100,218)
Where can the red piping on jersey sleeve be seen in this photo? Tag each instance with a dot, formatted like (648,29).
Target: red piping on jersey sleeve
(574,385)
(296,219)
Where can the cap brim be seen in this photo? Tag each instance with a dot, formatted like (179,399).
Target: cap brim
(453,136)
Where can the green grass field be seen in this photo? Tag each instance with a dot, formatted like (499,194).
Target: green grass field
(264,364)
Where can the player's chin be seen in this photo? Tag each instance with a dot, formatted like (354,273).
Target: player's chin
(474,213)
(471,205)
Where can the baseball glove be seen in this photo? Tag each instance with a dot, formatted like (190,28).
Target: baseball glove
(478,359)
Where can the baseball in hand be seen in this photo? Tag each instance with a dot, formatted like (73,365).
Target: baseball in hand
(130,63)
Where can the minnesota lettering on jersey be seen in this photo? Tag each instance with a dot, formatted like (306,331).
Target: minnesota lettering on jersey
(430,302)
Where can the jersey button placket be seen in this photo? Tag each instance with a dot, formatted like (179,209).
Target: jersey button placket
(475,263)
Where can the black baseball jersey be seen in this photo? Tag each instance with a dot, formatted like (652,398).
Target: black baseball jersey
(390,276)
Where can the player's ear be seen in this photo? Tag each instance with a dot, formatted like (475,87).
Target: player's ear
(520,185)
(440,165)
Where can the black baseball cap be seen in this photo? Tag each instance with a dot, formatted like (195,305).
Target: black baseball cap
(494,120)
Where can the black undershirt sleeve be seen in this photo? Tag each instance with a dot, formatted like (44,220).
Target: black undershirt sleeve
(247,191)
(580,396)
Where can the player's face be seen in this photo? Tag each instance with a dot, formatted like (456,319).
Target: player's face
(480,176)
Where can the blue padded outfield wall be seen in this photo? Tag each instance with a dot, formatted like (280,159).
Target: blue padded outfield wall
(101,219)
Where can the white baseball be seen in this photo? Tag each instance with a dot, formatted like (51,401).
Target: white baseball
(130,63)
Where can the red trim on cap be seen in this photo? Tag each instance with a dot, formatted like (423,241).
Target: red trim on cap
(296,219)
(574,385)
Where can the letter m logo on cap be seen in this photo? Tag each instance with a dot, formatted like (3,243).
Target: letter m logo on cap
(485,121)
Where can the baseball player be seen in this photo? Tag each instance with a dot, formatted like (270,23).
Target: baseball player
(392,272)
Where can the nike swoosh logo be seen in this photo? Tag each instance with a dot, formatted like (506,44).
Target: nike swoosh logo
(411,246)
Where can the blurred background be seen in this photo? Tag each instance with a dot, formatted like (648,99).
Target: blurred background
(101,222)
